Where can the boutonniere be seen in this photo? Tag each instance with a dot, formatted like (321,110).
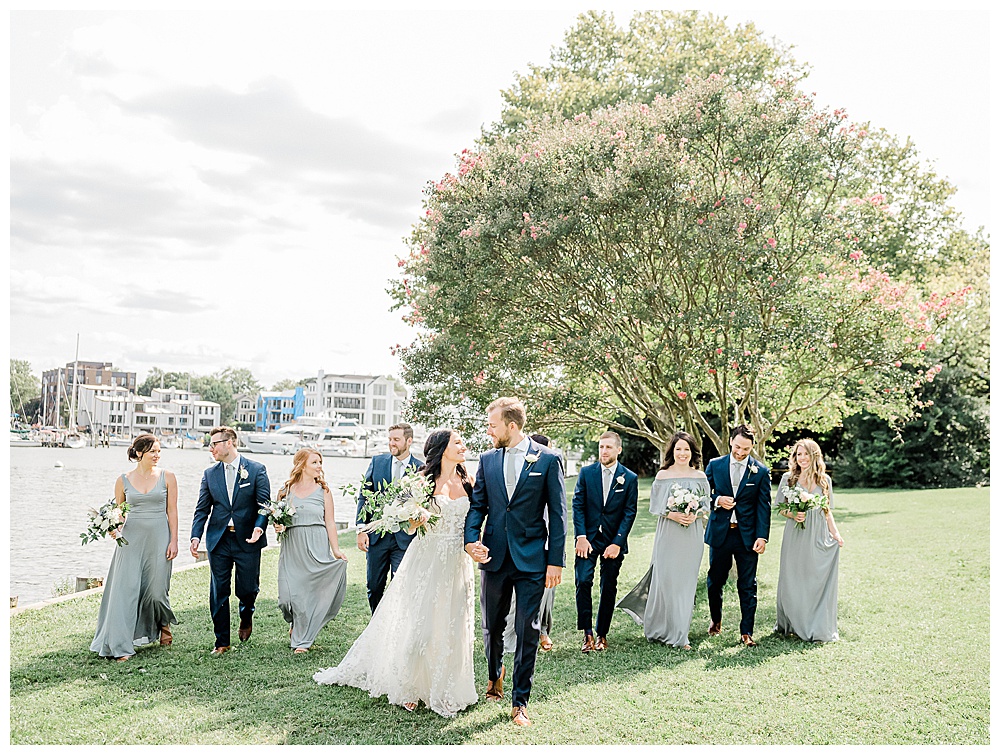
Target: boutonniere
(530,458)
(243,472)
(620,479)
(754,469)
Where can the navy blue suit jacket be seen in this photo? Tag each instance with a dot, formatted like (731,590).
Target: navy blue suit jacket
(753,502)
(606,524)
(378,476)
(515,528)
(213,504)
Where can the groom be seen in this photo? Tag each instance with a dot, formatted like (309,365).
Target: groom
(737,529)
(517,482)
(231,495)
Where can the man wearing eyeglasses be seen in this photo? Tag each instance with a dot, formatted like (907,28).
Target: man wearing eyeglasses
(230,499)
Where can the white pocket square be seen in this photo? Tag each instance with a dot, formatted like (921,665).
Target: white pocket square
(749,484)
(619,490)
(247,485)
(534,474)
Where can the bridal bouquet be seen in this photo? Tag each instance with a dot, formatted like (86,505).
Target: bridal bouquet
(393,506)
(684,501)
(279,512)
(797,499)
(104,521)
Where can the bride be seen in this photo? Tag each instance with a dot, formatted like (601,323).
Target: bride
(418,646)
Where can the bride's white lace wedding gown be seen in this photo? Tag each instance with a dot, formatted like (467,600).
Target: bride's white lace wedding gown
(418,645)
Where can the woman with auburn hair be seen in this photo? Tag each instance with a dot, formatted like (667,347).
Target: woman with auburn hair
(135,607)
(807,575)
(663,601)
(311,581)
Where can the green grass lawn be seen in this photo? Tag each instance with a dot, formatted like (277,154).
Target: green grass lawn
(911,667)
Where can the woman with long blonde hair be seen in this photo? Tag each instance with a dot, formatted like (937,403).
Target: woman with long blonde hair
(312,570)
(810,556)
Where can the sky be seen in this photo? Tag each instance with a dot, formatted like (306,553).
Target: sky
(200,190)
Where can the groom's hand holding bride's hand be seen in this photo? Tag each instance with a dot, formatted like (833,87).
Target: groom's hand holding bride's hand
(478,552)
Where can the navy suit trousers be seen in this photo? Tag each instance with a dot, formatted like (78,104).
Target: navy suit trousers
(494,597)
(225,558)
(383,555)
(720,561)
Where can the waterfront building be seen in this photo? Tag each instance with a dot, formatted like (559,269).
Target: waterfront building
(277,408)
(376,401)
(166,411)
(246,409)
(58,385)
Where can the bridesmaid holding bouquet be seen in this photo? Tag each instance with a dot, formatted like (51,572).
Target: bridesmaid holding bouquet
(810,551)
(135,607)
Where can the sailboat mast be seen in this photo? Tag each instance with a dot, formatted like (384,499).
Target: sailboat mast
(72,400)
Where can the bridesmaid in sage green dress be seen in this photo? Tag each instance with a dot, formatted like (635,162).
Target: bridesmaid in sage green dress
(135,607)
(312,570)
(810,557)
(663,601)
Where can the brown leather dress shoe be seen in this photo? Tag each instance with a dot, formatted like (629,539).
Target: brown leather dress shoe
(544,643)
(588,643)
(748,641)
(714,628)
(520,716)
(244,631)
(220,650)
(494,690)
(166,638)
(601,643)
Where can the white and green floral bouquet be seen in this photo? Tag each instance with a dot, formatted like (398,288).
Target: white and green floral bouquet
(392,506)
(685,501)
(105,520)
(799,500)
(279,512)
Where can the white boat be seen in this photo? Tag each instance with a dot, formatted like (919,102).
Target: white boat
(23,440)
(118,440)
(284,440)
(74,440)
(333,446)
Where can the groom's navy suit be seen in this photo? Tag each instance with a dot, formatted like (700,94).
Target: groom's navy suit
(385,552)
(726,542)
(229,548)
(516,535)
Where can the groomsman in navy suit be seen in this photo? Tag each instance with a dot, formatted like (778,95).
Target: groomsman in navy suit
(230,499)
(738,528)
(604,507)
(385,552)
(516,483)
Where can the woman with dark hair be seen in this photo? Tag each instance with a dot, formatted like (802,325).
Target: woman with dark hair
(418,646)
(312,570)
(810,551)
(663,601)
(135,607)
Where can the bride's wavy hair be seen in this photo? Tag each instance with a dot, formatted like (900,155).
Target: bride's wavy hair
(299,471)
(434,448)
(817,467)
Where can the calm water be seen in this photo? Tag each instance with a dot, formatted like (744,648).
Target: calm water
(48,551)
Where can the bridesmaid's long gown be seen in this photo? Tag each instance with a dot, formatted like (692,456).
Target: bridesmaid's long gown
(136,603)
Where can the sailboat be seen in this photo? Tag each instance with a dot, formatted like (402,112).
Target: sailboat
(73,439)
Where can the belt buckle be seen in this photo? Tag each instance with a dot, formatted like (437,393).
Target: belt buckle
(233,529)
(732,525)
